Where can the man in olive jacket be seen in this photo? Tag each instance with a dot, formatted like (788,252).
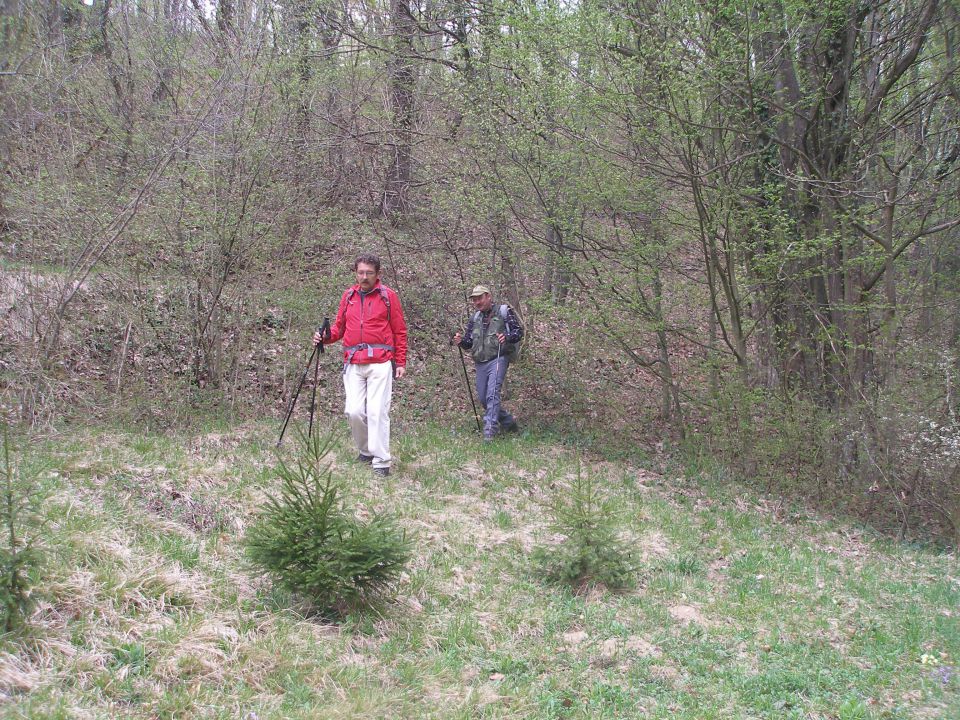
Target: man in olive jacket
(492,337)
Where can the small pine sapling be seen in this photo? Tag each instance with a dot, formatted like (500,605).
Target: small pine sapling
(308,542)
(592,551)
(20,557)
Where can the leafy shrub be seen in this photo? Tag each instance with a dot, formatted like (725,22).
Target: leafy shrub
(891,456)
(592,552)
(307,541)
(20,558)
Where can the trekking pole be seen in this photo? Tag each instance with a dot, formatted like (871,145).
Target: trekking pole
(466,378)
(324,332)
(496,377)
(317,350)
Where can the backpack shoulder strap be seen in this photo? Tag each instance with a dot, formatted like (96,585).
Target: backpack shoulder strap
(383,293)
(386,301)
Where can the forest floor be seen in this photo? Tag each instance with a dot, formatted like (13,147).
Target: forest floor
(743,608)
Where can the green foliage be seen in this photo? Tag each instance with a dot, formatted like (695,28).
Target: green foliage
(592,552)
(309,543)
(20,559)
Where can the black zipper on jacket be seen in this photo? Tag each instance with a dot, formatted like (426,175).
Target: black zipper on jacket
(361,317)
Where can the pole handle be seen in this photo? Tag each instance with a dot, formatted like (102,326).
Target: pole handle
(324,331)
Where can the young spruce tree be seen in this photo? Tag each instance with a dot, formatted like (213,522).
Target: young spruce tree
(20,558)
(592,552)
(309,542)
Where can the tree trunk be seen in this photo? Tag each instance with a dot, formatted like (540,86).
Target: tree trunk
(395,201)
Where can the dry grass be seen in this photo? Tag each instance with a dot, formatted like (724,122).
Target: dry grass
(742,609)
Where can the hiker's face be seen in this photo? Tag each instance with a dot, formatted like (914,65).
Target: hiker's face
(366,276)
(482,302)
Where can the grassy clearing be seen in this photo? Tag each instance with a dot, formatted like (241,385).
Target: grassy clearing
(743,609)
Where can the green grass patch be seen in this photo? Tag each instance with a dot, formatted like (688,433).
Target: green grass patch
(739,610)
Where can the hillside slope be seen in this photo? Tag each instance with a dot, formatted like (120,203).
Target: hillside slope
(743,608)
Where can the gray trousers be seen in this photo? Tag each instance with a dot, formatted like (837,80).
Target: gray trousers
(490,376)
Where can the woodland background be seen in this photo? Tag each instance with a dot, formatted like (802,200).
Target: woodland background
(730,228)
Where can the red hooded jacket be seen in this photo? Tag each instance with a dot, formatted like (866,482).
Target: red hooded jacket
(365,322)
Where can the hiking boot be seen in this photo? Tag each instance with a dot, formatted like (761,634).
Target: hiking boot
(382,472)
(510,426)
(487,438)
(361,458)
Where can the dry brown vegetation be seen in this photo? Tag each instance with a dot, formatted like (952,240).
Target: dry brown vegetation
(145,613)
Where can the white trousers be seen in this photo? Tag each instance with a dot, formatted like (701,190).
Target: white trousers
(368,389)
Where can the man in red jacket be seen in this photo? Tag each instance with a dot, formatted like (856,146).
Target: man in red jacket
(370,322)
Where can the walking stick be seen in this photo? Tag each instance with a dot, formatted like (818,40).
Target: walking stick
(324,331)
(466,379)
(316,376)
